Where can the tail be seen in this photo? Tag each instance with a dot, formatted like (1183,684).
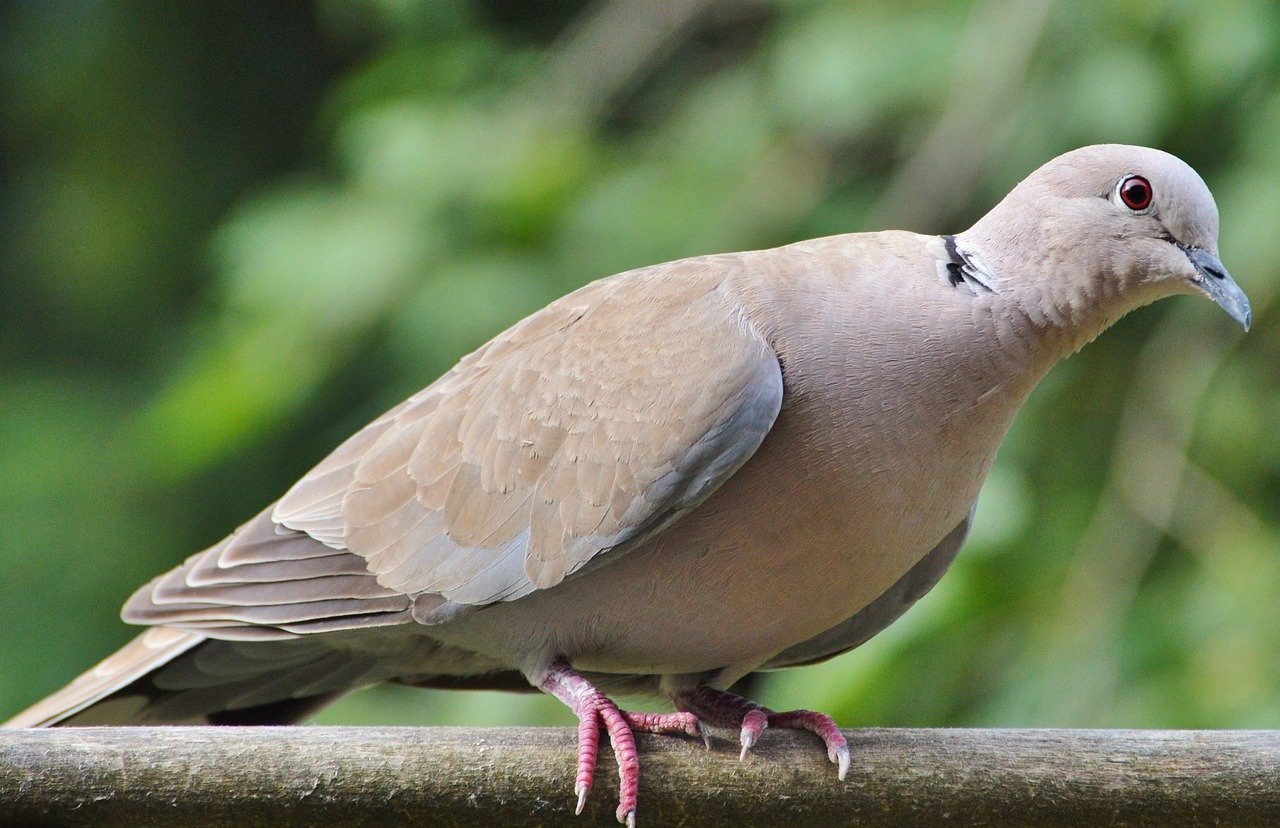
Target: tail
(170,676)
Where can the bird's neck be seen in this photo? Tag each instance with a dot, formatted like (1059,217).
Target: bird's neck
(1055,304)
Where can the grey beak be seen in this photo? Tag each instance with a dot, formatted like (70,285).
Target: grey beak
(1218,285)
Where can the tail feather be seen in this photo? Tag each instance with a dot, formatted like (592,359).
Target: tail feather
(150,651)
(169,676)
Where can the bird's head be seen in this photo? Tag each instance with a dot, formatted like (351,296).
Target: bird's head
(1120,226)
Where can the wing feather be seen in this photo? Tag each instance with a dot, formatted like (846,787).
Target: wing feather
(564,441)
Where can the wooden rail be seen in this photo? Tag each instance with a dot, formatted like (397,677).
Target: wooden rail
(515,777)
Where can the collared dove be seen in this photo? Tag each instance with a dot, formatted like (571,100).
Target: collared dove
(670,478)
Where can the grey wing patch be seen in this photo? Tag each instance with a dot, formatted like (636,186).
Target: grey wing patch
(880,613)
(265,581)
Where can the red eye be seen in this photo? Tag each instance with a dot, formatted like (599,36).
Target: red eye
(1135,192)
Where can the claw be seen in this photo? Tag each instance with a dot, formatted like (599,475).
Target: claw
(724,709)
(705,733)
(627,818)
(840,756)
(753,724)
(581,790)
(748,740)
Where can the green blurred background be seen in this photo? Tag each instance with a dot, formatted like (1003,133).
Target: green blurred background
(232,233)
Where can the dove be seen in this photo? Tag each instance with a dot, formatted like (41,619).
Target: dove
(670,478)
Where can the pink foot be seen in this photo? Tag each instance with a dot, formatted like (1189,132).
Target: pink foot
(595,710)
(720,709)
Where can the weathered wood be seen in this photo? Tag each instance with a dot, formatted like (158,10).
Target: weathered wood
(512,777)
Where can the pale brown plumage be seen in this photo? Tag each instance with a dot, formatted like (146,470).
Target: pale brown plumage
(565,436)
(671,477)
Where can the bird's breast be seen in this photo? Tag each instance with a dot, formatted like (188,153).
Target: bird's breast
(863,473)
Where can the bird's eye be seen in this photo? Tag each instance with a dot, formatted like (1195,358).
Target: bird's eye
(1135,193)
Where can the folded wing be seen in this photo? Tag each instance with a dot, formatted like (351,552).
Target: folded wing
(582,430)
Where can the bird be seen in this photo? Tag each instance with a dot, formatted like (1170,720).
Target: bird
(670,478)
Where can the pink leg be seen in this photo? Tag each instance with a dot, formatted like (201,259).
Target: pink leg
(594,710)
(720,709)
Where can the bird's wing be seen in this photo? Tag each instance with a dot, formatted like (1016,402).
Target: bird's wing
(267,581)
(583,429)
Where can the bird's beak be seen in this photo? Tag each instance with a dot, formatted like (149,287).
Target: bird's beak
(1217,284)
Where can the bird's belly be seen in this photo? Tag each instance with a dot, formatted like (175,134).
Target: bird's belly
(762,565)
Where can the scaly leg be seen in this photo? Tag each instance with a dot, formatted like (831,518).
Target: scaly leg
(720,709)
(595,710)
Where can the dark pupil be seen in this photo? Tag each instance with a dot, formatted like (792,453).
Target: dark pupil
(1136,194)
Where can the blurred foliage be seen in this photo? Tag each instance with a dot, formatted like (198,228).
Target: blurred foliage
(232,233)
